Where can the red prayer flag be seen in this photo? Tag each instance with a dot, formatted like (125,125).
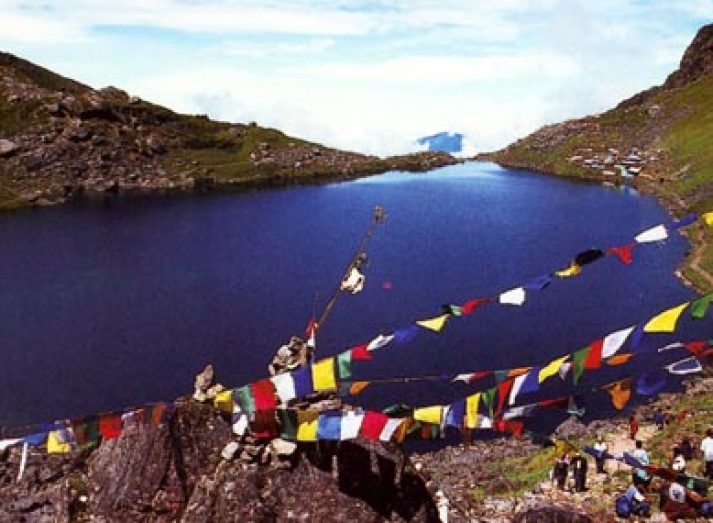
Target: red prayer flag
(372,425)
(556,402)
(503,393)
(110,426)
(157,414)
(469,306)
(697,347)
(594,357)
(265,424)
(264,394)
(624,253)
(361,353)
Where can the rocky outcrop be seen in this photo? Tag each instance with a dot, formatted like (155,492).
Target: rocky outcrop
(175,472)
(697,61)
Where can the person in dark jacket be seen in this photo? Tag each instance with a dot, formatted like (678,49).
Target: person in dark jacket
(579,471)
(559,473)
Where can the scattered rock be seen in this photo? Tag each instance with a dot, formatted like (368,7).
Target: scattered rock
(7,147)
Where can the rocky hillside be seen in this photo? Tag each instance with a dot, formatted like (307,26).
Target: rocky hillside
(59,138)
(658,139)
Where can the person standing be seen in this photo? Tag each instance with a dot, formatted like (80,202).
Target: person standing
(601,447)
(579,471)
(659,418)
(561,468)
(633,426)
(707,449)
(640,478)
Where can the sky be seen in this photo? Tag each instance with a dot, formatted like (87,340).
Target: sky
(370,76)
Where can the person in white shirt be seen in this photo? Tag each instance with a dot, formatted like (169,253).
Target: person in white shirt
(707,449)
(602,447)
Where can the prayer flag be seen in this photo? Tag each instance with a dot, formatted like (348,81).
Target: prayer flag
(435,324)
(243,396)
(263,394)
(578,363)
(470,306)
(708,218)
(503,394)
(665,321)
(323,375)
(35,439)
(472,376)
(433,414)
(391,426)
(519,412)
(619,359)
(620,392)
(512,297)
(516,386)
(531,383)
(700,307)
(456,414)
(360,353)
(686,220)
(539,283)
(373,425)
(329,426)
(308,425)
(655,234)
(512,373)
(351,423)
(688,365)
(562,402)
(569,272)
(588,256)
(594,356)
(405,335)
(472,404)
(357,387)
(224,401)
(55,445)
(110,426)
(700,348)
(344,365)
(551,368)
(614,341)
(289,422)
(650,383)
(624,253)
(303,381)
(285,386)
(500,375)
(8,442)
(488,399)
(382,340)
(453,310)
(311,333)
(264,424)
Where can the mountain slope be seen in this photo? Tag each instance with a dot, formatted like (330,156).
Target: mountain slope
(658,139)
(59,138)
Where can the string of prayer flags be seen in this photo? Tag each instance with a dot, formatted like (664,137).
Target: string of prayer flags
(666,320)
(655,234)
(435,324)
(513,297)
(620,392)
(624,253)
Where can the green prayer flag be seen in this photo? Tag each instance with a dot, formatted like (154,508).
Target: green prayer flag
(700,307)
(488,397)
(288,424)
(344,365)
(578,363)
(456,310)
(245,398)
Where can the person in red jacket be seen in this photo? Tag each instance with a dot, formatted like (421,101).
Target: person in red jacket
(633,426)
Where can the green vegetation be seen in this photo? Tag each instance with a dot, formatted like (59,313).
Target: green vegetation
(39,75)
(524,473)
(14,117)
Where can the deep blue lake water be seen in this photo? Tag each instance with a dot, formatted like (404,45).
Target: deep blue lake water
(121,303)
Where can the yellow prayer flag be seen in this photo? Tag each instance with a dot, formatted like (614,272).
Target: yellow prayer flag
(708,218)
(224,401)
(432,414)
(55,445)
(307,430)
(573,270)
(434,324)
(471,410)
(323,375)
(551,368)
(666,321)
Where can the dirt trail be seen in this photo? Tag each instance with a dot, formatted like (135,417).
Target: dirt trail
(620,442)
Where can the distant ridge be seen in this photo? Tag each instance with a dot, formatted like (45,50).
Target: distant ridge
(60,138)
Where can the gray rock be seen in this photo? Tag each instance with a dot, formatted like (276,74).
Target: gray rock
(7,147)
